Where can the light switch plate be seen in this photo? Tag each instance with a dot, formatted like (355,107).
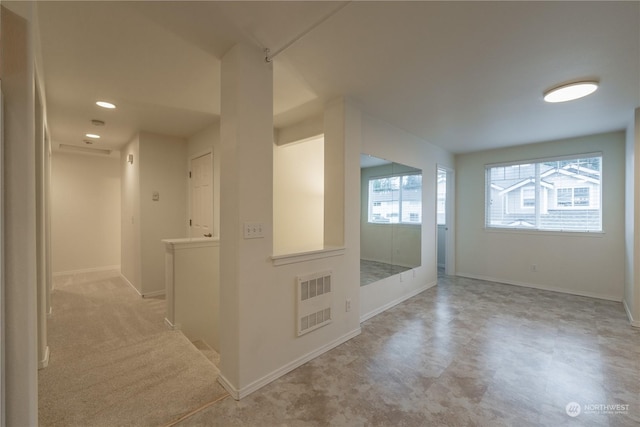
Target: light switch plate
(253,230)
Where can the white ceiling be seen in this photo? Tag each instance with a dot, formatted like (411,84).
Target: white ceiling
(462,75)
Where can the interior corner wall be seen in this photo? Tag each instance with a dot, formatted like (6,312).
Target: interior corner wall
(202,142)
(163,170)
(632,221)
(130,267)
(388,142)
(86,212)
(588,264)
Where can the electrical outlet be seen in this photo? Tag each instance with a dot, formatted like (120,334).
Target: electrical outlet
(253,230)
(347,305)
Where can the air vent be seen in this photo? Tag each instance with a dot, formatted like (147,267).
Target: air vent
(314,301)
(85,150)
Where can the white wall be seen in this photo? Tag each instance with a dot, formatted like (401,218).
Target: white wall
(208,140)
(632,221)
(20,376)
(162,169)
(159,165)
(258,342)
(298,196)
(383,140)
(578,263)
(85,203)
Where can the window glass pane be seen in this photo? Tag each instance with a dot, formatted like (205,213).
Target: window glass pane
(442,197)
(561,195)
(396,199)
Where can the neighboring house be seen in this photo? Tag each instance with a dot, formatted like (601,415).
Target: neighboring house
(567,192)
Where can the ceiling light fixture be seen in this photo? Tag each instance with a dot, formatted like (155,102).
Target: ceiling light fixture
(105,104)
(571,91)
(92,135)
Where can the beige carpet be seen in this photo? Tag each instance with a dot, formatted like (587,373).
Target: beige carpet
(114,363)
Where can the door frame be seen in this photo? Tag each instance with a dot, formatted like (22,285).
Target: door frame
(450,241)
(191,158)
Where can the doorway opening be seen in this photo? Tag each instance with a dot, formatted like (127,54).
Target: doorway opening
(445,241)
(201,195)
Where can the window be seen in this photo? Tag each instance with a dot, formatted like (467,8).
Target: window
(528,197)
(560,194)
(572,197)
(396,199)
(441,206)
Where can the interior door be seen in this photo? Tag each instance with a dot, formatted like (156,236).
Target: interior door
(201,196)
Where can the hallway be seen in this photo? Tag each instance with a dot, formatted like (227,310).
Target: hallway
(114,361)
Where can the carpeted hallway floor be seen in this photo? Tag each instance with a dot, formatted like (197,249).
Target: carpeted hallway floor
(113,361)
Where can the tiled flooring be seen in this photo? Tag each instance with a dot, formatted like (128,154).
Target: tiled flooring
(464,353)
(372,271)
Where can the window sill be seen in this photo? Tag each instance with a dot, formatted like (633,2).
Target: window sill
(307,256)
(567,233)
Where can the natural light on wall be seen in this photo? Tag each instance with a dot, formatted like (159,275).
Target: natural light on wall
(298,196)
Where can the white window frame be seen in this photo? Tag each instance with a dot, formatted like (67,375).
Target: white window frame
(541,202)
(522,198)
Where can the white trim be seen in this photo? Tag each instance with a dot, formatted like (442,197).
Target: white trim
(175,327)
(190,160)
(45,360)
(238,394)
(396,301)
(634,323)
(143,295)
(88,270)
(130,284)
(2,285)
(540,287)
(306,256)
(547,159)
(152,294)
(191,242)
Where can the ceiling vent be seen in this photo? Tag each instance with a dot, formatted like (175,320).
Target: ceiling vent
(84,150)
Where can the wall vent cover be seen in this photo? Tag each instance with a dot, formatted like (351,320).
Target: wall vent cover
(314,300)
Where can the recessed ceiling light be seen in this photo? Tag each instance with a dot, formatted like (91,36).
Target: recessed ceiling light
(92,135)
(570,91)
(105,104)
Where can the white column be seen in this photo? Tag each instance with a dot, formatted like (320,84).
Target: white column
(21,363)
(246,187)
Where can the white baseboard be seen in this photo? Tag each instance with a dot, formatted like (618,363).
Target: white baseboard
(396,301)
(87,270)
(143,295)
(130,284)
(45,360)
(238,394)
(634,323)
(542,288)
(153,294)
(175,327)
